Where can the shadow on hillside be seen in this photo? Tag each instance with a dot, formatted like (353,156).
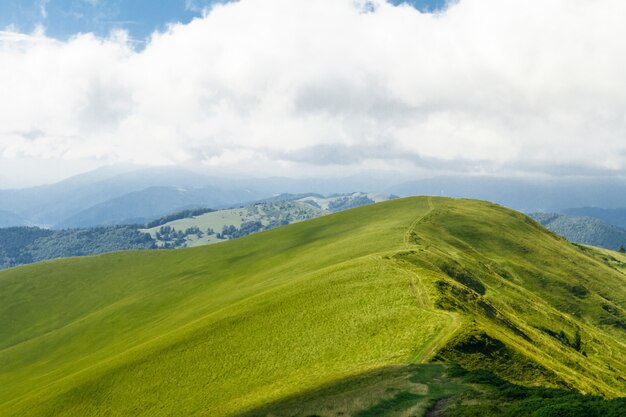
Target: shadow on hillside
(412,389)
(436,389)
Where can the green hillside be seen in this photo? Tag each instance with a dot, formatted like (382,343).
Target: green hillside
(322,317)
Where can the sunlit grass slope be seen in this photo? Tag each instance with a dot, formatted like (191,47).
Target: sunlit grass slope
(226,328)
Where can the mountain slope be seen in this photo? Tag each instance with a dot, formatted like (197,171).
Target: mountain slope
(221,329)
(585,230)
(8,219)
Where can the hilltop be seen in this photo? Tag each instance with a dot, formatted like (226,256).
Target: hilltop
(337,314)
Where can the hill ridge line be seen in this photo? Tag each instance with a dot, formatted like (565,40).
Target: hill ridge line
(411,229)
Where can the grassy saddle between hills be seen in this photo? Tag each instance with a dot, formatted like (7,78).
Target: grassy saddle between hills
(327,317)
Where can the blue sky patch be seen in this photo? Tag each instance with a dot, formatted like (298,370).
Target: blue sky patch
(65,18)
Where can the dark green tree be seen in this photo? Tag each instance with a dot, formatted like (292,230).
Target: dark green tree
(577,341)
(622,249)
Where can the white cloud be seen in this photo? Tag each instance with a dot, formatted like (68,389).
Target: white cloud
(43,12)
(280,85)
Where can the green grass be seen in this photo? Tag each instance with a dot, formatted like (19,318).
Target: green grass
(435,390)
(230,328)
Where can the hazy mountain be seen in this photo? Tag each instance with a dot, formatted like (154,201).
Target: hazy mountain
(616,217)
(77,199)
(8,219)
(142,206)
(527,195)
(586,230)
(53,204)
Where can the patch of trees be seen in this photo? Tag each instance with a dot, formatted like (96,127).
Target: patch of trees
(345,203)
(13,244)
(194,230)
(277,223)
(561,336)
(515,400)
(24,245)
(172,238)
(184,214)
(247,228)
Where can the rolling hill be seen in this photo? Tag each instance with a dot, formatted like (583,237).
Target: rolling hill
(210,227)
(331,316)
(585,230)
(217,225)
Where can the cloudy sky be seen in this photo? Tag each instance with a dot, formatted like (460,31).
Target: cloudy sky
(323,87)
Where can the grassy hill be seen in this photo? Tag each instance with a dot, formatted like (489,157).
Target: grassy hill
(328,316)
(585,230)
(211,225)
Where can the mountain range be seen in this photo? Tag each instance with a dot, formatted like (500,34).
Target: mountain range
(126,195)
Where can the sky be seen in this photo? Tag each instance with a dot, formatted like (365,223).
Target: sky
(62,19)
(313,88)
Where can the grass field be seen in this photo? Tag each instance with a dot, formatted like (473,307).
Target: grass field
(247,324)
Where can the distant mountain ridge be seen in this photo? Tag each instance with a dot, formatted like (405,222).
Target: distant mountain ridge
(114,195)
(523,194)
(142,206)
(585,230)
(615,216)
(86,200)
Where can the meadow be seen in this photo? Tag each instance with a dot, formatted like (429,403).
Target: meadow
(350,302)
